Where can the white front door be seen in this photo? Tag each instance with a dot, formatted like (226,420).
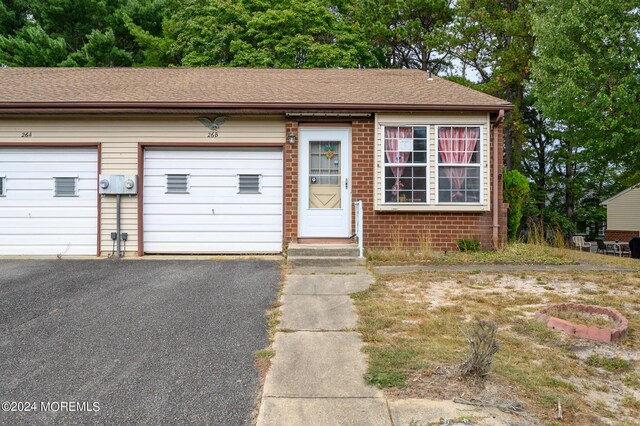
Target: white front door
(325,186)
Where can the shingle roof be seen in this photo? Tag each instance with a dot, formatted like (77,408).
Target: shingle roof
(217,87)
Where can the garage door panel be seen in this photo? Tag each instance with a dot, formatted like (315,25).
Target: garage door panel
(205,210)
(34,221)
(208,227)
(66,168)
(200,181)
(219,237)
(214,248)
(39,249)
(213,217)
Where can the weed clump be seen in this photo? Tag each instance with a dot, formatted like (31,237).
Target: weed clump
(483,345)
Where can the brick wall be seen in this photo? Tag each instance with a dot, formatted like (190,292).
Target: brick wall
(384,229)
(613,235)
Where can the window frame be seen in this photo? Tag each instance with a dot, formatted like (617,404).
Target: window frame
(480,201)
(425,165)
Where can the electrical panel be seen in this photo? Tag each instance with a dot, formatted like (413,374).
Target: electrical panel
(118,184)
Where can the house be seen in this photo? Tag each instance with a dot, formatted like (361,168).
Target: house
(623,221)
(229,160)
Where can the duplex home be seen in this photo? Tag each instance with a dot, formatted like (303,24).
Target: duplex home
(230,160)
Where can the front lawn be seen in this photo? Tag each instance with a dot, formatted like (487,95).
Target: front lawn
(411,324)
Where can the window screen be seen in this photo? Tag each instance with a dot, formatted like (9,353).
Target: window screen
(66,186)
(248,184)
(177,184)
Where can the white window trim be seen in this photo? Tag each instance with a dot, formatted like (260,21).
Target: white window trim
(385,165)
(479,165)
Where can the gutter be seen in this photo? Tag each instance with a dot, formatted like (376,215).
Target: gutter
(188,107)
(495,226)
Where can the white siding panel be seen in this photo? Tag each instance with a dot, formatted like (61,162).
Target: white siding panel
(34,221)
(212,217)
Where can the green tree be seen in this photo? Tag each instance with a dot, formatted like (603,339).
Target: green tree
(492,39)
(282,34)
(406,33)
(516,189)
(31,46)
(586,76)
(93,32)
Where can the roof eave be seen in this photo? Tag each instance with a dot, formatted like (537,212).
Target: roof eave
(606,202)
(182,107)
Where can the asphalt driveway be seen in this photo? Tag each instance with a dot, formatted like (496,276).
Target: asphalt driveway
(149,341)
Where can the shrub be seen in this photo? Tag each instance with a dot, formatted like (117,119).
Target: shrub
(483,345)
(516,189)
(468,244)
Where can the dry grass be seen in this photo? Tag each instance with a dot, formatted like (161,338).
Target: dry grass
(412,326)
(512,254)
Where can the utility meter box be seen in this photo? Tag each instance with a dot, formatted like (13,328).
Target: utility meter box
(118,184)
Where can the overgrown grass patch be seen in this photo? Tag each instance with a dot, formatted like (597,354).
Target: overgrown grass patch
(412,327)
(512,254)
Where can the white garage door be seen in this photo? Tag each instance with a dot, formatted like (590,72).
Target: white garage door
(48,201)
(213,200)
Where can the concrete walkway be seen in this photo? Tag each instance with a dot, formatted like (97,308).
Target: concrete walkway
(317,375)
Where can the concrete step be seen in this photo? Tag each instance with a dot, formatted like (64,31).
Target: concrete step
(319,250)
(328,261)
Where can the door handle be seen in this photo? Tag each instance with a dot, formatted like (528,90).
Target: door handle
(346,183)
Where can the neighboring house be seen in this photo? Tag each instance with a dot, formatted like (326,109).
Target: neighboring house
(235,160)
(623,218)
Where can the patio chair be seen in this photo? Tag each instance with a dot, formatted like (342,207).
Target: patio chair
(602,247)
(579,243)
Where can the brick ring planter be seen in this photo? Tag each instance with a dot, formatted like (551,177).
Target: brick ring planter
(584,331)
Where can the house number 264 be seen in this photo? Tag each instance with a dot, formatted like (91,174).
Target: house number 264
(26,134)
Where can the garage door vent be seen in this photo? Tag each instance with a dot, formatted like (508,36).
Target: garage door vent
(66,186)
(248,184)
(177,184)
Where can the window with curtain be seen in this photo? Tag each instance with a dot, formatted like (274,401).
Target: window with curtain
(458,164)
(405,164)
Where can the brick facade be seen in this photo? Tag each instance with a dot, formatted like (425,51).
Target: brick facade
(386,228)
(626,236)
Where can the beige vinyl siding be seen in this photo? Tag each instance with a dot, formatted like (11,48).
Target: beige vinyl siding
(432,120)
(119,138)
(622,212)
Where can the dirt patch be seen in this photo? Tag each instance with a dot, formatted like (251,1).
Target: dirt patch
(412,323)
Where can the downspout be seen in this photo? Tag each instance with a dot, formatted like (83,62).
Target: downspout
(496,225)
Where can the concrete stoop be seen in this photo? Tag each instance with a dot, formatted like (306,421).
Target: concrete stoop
(323,255)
